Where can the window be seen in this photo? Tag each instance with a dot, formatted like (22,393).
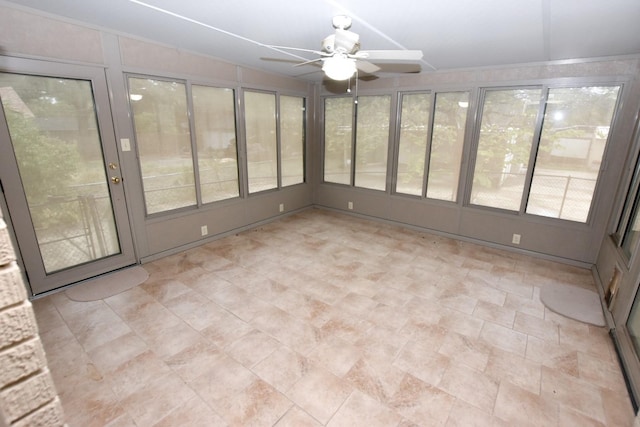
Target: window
(412,144)
(574,136)
(292,131)
(371,146)
(262,142)
(372,141)
(628,229)
(215,130)
(632,230)
(163,138)
(504,146)
(447,141)
(444,139)
(338,139)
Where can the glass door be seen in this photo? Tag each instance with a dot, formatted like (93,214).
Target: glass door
(61,174)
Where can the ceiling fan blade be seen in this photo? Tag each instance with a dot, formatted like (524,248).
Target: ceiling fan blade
(311,61)
(405,67)
(366,67)
(390,55)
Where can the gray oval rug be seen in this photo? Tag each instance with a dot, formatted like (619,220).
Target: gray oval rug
(574,302)
(107,285)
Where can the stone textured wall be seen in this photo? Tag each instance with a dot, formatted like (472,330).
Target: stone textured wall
(27,394)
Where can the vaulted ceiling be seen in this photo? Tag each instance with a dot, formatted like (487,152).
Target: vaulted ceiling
(452,33)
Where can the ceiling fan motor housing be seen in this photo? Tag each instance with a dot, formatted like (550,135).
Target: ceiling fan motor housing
(328,44)
(342,41)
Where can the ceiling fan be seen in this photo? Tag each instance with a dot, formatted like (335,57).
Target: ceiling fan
(341,55)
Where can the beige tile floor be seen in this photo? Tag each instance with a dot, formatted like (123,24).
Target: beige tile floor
(325,319)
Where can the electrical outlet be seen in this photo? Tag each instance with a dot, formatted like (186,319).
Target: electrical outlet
(350,205)
(204,230)
(281,207)
(516,239)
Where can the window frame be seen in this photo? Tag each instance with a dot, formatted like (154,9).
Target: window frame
(192,118)
(477,126)
(246,141)
(396,144)
(240,137)
(468,132)
(305,133)
(629,200)
(391,140)
(539,124)
(323,116)
(242,130)
(189,112)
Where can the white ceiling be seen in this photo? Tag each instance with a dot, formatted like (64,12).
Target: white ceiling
(451,33)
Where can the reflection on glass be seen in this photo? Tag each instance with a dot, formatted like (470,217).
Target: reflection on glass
(632,234)
(292,139)
(633,324)
(56,141)
(262,150)
(504,147)
(574,136)
(164,143)
(447,140)
(629,232)
(338,119)
(372,141)
(412,149)
(215,130)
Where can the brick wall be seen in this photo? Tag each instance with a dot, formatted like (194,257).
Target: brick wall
(27,394)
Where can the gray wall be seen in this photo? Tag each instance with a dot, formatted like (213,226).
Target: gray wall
(561,240)
(34,36)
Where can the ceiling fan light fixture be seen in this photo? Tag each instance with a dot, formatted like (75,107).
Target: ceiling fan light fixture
(339,68)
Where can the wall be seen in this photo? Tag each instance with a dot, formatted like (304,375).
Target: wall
(27,394)
(162,235)
(562,240)
(58,40)
(35,36)
(610,257)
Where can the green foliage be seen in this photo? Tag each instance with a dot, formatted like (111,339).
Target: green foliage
(46,164)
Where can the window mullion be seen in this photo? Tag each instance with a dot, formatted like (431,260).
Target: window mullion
(427,153)
(194,145)
(534,149)
(354,126)
(278,143)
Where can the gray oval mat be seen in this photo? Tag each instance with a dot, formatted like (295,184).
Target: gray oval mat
(574,302)
(107,285)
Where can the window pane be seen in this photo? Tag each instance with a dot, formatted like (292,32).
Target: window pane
(628,228)
(504,146)
(572,143)
(215,129)
(447,140)
(632,233)
(633,323)
(164,143)
(262,150)
(414,130)
(372,141)
(338,116)
(292,137)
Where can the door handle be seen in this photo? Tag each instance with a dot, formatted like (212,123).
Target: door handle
(115,179)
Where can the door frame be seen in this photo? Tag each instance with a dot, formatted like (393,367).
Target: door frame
(17,209)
